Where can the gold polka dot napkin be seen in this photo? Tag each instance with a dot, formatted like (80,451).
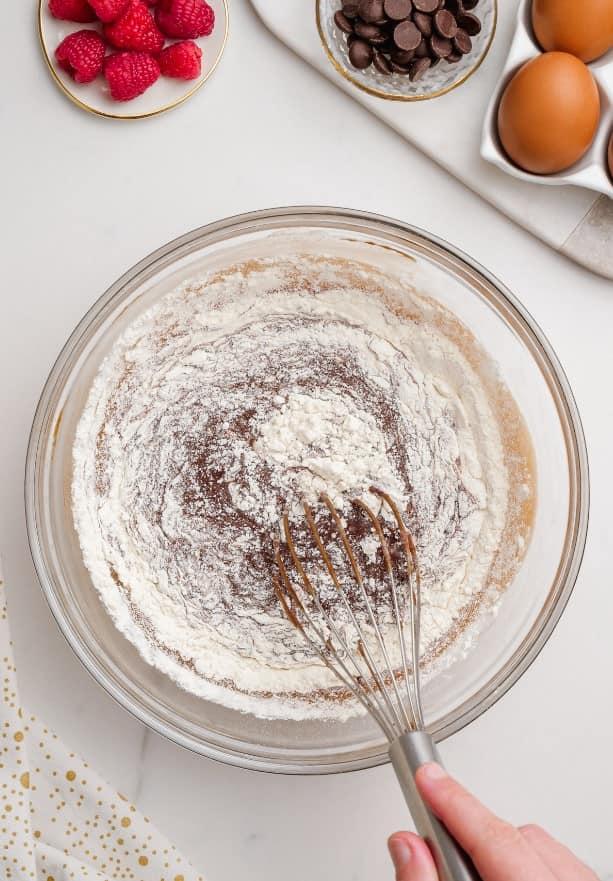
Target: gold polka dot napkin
(58,820)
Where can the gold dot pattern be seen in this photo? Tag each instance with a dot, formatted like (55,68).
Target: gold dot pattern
(58,820)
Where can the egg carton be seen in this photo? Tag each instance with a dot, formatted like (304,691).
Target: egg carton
(591,170)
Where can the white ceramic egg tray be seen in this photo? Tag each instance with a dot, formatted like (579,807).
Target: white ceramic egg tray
(591,170)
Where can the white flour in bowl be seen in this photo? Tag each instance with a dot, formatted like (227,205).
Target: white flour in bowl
(239,395)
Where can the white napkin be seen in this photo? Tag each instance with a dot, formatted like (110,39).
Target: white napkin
(58,820)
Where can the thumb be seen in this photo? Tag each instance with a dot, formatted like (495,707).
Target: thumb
(411,857)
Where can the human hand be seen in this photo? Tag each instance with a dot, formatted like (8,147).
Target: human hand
(500,851)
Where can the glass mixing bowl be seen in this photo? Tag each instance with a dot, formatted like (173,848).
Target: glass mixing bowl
(531,605)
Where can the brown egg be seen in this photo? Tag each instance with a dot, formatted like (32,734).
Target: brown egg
(548,113)
(582,27)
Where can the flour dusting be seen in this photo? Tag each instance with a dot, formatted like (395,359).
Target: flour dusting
(237,397)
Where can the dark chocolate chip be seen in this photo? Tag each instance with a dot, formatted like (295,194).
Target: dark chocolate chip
(453,57)
(400,68)
(381,63)
(379,40)
(425,5)
(445,24)
(462,42)
(391,27)
(454,6)
(418,68)
(370,10)
(350,10)
(406,35)
(360,54)
(441,47)
(400,56)
(422,50)
(367,31)
(423,22)
(342,22)
(397,9)
(469,23)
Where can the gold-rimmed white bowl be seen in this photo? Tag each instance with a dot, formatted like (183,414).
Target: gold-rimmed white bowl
(398,87)
(166,94)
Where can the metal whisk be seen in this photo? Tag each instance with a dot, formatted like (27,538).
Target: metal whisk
(389,691)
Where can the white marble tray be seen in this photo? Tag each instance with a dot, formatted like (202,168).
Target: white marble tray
(573,220)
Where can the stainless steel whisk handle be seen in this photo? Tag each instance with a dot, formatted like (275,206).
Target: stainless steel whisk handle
(408,753)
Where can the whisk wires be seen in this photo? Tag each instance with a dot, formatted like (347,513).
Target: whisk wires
(378,686)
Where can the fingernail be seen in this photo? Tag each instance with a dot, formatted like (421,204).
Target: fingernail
(432,771)
(400,853)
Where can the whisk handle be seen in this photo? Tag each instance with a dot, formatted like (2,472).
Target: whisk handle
(408,753)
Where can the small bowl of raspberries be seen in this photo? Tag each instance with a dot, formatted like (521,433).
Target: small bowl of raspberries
(129,59)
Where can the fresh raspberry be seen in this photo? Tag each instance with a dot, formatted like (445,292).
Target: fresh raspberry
(82,55)
(129,74)
(182,60)
(72,10)
(135,29)
(185,19)
(108,10)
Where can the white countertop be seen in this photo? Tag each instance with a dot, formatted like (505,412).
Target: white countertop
(83,199)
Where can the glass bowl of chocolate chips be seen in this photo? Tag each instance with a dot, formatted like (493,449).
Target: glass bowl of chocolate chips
(406,50)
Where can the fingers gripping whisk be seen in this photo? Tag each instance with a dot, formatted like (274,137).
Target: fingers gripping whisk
(373,647)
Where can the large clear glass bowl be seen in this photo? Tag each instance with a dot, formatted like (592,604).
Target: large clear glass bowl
(533,602)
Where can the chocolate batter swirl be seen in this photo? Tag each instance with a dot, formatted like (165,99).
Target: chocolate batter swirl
(234,398)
